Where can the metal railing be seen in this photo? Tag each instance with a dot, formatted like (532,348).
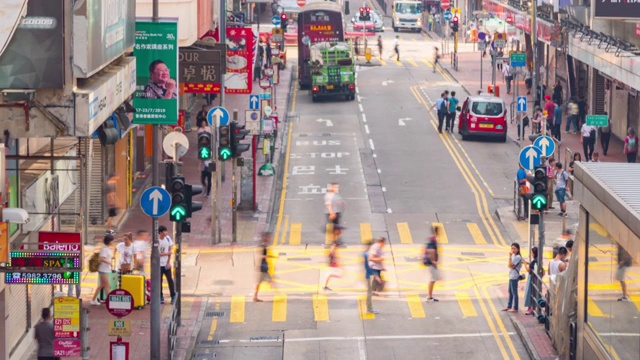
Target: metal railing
(172,331)
(540,298)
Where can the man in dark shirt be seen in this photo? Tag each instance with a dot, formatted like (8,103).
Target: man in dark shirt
(44,336)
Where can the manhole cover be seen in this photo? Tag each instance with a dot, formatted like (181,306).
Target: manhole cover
(299,259)
(264,338)
(593,259)
(474,254)
(215,313)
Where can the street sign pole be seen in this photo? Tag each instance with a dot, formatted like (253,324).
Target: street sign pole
(177,227)
(155,253)
(215,220)
(234,192)
(534,72)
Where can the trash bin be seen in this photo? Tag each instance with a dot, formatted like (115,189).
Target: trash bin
(496,91)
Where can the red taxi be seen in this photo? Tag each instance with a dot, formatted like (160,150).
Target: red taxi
(483,115)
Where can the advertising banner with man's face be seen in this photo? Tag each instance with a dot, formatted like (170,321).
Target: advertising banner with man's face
(34,56)
(156,52)
(238,79)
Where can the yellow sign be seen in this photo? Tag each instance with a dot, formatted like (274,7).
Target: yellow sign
(455,11)
(276,31)
(320,28)
(66,307)
(367,54)
(119,327)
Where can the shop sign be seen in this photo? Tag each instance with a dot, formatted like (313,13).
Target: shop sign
(96,101)
(201,69)
(102,31)
(638,29)
(67,348)
(616,9)
(34,56)
(156,51)
(522,19)
(240,50)
(59,241)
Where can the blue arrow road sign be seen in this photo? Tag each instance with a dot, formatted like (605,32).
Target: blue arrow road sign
(155,201)
(220,114)
(522,103)
(275,20)
(481,36)
(546,145)
(530,157)
(448,16)
(254,102)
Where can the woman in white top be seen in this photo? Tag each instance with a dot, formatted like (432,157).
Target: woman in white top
(126,251)
(104,269)
(515,264)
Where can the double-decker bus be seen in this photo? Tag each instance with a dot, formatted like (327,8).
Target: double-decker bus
(317,22)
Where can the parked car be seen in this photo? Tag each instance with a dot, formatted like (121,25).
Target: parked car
(375,24)
(483,115)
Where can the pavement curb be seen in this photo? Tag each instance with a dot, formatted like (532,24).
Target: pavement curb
(198,325)
(526,341)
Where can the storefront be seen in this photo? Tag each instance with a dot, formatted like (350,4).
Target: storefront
(608,238)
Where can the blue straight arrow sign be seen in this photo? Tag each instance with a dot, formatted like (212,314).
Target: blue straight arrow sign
(254,102)
(522,103)
(155,201)
(220,114)
(546,145)
(530,157)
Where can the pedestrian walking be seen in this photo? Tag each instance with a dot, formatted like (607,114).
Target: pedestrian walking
(431,261)
(43,334)
(268,52)
(557,121)
(441,105)
(165,246)
(538,120)
(499,62)
(125,250)
(380,46)
(605,135)
(528,81)
(572,118)
(334,270)
(595,157)
(110,192)
(557,93)
(367,269)
(631,145)
(451,114)
(201,117)
(376,266)
(588,140)
(104,269)
(436,58)
(140,246)
(551,168)
(531,268)
(334,205)
(396,48)
(523,122)
(561,188)
(508,76)
(264,274)
(514,264)
(549,108)
(583,107)
(523,190)
(624,262)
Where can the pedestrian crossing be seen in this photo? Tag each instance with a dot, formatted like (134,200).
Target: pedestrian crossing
(410,62)
(296,233)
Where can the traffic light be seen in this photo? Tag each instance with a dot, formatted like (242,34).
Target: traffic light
(283,22)
(177,188)
(192,206)
(454,24)
(367,13)
(204,145)
(224,143)
(539,197)
(238,133)
(361,17)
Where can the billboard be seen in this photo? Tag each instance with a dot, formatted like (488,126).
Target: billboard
(156,52)
(616,9)
(102,31)
(34,57)
(201,69)
(239,76)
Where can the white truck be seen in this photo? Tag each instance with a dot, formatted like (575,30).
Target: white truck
(407,14)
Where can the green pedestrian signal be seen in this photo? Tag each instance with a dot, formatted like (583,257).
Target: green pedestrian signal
(204,145)
(205,153)
(178,213)
(225,153)
(539,202)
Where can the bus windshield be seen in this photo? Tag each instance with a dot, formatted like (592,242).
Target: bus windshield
(406,8)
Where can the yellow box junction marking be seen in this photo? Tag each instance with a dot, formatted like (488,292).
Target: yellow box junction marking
(279,313)
(415,306)
(365,233)
(405,234)
(237,309)
(296,234)
(442,235)
(476,234)
(320,308)
(328,234)
(466,305)
(214,325)
(593,309)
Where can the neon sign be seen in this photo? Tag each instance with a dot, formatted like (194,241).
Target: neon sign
(43,267)
(41,278)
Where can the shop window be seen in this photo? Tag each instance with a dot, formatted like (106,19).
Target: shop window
(613,316)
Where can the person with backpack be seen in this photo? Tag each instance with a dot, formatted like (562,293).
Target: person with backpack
(103,267)
(441,105)
(631,145)
(561,188)
(515,263)
(588,140)
(430,260)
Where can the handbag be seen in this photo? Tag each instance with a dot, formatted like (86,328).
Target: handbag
(523,190)
(125,268)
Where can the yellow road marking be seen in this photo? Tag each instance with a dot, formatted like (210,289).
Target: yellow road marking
(496,316)
(279,313)
(383,62)
(320,307)
(212,329)
(476,234)
(365,233)
(466,305)
(405,234)
(492,326)
(295,234)
(362,308)
(426,62)
(237,309)
(398,63)
(328,234)
(442,235)
(415,306)
(636,300)
(413,63)
(593,309)
(285,177)
(285,227)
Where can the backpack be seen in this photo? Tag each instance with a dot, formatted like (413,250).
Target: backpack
(443,106)
(632,145)
(94,262)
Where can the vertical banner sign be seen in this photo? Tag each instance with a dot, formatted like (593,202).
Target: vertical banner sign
(156,52)
(66,327)
(239,76)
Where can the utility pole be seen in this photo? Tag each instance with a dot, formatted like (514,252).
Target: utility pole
(534,71)
(216,236)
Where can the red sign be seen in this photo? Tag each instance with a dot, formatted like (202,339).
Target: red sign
(119,303)
(59,241)
(638,29)
(240,51)
(301,3)
(509,19)
(444,4)
(181,120)
(67,348)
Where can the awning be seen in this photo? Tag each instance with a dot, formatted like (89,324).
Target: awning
(100,95)
(12,13)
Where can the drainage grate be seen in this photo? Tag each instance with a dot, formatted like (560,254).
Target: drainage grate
(209,342)
(475,254)
(214,313)
(299,259)
(593,259)
(264,338)
(412,258)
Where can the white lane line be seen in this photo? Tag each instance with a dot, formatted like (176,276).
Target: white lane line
(361,109)
(366,128)
(374,155)
(357,91)
(378,337)
(371,144)
(379,171)
(361,350)
(384,189)
(364,118)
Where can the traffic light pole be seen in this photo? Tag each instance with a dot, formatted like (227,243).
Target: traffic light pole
(234,192)
(215,185)
(177,227)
